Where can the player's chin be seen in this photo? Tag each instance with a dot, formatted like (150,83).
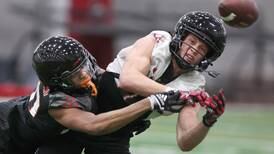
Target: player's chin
(189,60)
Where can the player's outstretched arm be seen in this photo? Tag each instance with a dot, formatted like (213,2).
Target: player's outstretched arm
(108,122)
(190,130)
(87,122)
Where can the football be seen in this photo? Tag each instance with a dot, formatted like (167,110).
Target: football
(238,13)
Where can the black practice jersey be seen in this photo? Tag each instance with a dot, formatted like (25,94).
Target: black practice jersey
(30,123)
(109,98)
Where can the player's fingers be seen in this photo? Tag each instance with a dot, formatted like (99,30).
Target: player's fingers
(221,104)
(208,102)
(219,100)
(221,95)
(203,103)
(219,111)
(197,98)
(212,103)
(204,95)
(219,108)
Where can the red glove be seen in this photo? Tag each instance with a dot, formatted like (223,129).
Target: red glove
(215,107)
(196,96)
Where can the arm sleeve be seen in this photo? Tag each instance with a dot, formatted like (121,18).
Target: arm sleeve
(62,100)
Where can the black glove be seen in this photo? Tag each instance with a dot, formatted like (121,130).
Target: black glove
(141,127)
(215,107)
(167,101)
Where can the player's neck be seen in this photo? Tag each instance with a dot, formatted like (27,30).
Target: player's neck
(176,69)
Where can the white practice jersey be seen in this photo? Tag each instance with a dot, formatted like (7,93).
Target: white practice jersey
(161,58)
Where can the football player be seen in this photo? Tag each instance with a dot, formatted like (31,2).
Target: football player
(64,100)
(162,61)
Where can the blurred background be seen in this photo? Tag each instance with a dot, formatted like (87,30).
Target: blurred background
(106,26)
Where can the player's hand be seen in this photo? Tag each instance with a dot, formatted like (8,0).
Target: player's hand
(167,101)
(195,96)
(215,107)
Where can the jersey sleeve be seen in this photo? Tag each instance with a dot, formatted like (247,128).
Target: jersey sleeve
(62,100)
(161,56)
(117,64)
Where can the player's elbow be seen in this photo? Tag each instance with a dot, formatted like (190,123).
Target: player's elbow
(185,147)
(184,144)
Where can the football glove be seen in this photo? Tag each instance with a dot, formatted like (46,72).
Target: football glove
(166,101)
(174,101)
(141,126)
(196,96)
(215,107)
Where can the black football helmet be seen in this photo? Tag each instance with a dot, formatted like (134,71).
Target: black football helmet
(57,58)
(206,27)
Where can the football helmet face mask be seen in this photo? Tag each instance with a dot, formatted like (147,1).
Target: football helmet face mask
(207,28)
(80,77)
(58,59)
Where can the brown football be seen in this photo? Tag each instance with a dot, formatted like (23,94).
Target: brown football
(238,13)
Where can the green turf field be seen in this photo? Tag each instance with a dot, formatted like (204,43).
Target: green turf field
(247,130)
